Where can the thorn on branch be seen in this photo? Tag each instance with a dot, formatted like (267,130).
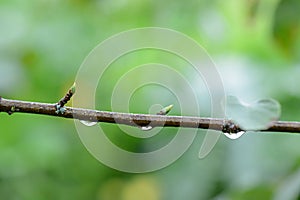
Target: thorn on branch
(60,105)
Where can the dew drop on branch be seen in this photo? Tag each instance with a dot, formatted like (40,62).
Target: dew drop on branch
(146,128)
(234,136)
(88,123)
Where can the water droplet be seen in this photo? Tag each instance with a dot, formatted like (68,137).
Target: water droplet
(234,136)
(146,128)
(88,123)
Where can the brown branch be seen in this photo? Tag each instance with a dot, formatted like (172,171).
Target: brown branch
(12,106)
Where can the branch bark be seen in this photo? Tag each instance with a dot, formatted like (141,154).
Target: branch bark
(12,106)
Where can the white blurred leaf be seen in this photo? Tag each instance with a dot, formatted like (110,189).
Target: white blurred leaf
(256,116)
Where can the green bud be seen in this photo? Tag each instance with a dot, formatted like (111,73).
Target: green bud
(73,88)
(165,110)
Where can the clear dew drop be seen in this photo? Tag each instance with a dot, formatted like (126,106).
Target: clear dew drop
(234,136)
(88,123)
(146,128)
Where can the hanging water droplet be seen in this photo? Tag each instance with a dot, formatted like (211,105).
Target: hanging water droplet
(146,128)
(88,123)
(234,136)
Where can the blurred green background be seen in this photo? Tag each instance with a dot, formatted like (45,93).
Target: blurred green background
(255,45)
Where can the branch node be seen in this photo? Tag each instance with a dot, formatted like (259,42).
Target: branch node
(12,110)
(230,127)
(59,109)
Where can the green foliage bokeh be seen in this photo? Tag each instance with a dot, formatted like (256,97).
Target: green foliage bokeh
(256,47)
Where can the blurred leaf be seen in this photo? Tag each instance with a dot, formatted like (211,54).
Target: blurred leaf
(255,116)
(289,188)
(259,192)
(286,25)
(141,187)
(108,190)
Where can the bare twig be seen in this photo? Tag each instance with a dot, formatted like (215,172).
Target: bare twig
(12,106)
